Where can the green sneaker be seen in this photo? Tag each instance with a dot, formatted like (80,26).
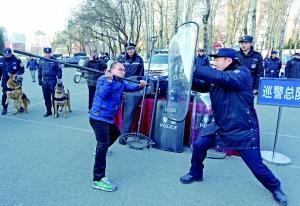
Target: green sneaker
(104,184)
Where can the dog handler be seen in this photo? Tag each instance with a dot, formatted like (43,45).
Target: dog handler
(9,65)
(48,74)
(107,100)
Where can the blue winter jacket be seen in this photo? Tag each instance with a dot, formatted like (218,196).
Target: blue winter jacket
(232,105)
(254,62)
(10,65)
(292,68)
(108,98)
(272,67)
(32,64)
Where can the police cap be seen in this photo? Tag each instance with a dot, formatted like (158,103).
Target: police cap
(225,52)
(274,52)
(6,51)
(297,54)
(47,50)
(129,45)
(246,38)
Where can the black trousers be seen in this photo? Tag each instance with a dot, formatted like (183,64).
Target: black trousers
(130,105)
(106,134)
(92,90)
(4,97)
(251,157)
(48,88)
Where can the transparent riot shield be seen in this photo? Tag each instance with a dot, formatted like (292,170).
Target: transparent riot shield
(180,70)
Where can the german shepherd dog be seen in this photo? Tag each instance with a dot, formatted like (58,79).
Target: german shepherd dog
(15,92)
(61,99)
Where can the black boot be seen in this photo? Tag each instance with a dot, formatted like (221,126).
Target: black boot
(4,112)
(49,112)
(188,179)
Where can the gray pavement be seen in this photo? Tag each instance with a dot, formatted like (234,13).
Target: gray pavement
(47,161)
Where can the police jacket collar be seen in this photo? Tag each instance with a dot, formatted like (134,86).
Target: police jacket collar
(249,53)
(232,66)
(11,58)
(127,57)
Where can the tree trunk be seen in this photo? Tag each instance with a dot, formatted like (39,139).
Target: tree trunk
(205,24)
(253,6)
(161,30)
(245,23)
(283,25)
(176,17)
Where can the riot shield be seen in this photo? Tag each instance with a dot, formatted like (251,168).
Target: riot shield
(180,70)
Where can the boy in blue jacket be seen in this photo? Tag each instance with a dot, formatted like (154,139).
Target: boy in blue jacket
(107,100)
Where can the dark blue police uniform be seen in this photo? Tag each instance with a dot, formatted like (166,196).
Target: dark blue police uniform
(48,73)
(134,66)
(272,66)
(253,61)
(292,67)
(9,65)
(202,60)
(236,125)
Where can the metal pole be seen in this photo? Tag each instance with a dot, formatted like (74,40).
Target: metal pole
(277,130)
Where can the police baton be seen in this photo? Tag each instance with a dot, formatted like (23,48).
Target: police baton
(71,65)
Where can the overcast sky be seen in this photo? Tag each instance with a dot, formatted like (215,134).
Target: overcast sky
(28,16)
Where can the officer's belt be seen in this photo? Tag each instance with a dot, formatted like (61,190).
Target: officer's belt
(48,77)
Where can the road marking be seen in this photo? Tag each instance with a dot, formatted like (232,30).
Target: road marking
(48,124)
(285,135)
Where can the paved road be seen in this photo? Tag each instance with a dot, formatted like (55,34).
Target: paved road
(47,161)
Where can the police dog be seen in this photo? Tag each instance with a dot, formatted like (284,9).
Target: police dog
(61,99)
(15,92)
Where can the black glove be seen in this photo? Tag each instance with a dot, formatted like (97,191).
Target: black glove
(40,83)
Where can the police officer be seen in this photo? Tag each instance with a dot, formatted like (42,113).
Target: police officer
(202,58)
(96,63)
(133,63)
(9,65)
(32,66)
(272,65)
(292,67)
(134,66)
(236,125)
(251,59)
(48,74)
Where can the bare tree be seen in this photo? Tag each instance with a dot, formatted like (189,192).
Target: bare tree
(205,18)
(245,23)
(253,6)
(236,11)
(284,20)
